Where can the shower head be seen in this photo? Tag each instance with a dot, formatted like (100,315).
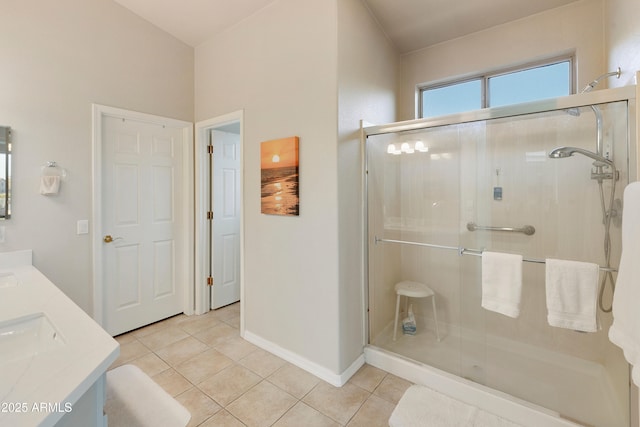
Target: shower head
(593,84)
(562,152)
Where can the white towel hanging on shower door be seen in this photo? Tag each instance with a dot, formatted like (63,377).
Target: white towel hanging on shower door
(572,294)
(502,283)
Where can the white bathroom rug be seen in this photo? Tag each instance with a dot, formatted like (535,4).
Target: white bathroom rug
(423,407)
(135,400)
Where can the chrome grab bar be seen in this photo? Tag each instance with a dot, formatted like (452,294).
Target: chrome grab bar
(525,229)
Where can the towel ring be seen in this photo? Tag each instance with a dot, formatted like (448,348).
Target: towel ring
(51,168)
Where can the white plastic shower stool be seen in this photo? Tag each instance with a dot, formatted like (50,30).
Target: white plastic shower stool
(411,289)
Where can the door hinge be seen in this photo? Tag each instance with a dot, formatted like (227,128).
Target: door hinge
(209,215)
(210,149)
(210,281)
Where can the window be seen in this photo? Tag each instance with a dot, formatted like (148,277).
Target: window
(497,89)
(453,98)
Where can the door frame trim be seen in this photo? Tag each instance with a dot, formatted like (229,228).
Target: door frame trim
(98,113)
(201,176)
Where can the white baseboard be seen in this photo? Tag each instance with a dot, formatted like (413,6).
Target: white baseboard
(337,380)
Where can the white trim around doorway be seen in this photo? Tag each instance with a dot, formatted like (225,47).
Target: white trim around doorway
(202,299)
(98,112)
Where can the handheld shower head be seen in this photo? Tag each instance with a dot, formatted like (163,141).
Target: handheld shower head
(562,152)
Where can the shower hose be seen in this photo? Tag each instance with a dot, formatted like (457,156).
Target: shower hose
(606,215)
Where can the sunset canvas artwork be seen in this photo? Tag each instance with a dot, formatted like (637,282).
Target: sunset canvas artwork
(279,176)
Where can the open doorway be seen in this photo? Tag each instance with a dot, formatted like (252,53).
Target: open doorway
(219,225)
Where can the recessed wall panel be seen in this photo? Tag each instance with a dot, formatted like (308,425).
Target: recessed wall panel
(229,244)
(127,274)
(229,151)
(162,146)
(229,186)
(163,269)
(162,193)
(127,143)
(126,197)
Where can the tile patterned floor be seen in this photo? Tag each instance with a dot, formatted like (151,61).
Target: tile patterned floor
(224,380)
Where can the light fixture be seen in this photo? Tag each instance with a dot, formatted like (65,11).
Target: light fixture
(391,149)
(419,146)
(406,148)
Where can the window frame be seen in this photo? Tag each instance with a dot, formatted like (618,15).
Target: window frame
(485,77)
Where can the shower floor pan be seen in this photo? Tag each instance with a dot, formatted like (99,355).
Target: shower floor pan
(560,386)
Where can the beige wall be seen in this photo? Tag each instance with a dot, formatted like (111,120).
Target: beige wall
(58,58)
(577,27)
(311,69)
(280,66)
(367,75)
(622,21)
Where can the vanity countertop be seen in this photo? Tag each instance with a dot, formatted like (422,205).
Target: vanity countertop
(38,390)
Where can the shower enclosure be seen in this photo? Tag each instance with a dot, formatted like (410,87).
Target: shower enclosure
(440,191)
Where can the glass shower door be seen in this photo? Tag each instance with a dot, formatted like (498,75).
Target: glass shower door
(513,183)
(413,195)
(430,193)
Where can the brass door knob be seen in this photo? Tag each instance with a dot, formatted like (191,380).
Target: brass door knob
(109,239)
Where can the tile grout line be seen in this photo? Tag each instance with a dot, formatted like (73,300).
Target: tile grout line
(182,324)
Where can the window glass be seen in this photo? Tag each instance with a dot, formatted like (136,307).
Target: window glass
(548,81)
(454,98)
(504,87)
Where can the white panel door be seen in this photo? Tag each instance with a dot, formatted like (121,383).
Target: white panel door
(226,218)
(142,177)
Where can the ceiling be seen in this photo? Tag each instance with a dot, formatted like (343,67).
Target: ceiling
(409,24)
(194,21)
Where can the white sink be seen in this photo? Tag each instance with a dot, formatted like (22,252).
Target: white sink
(8,280)
(27,336)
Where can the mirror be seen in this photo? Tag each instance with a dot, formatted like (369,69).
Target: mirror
(5,172)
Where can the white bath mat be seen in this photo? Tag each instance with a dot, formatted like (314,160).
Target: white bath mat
(135,400)
(423,407)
